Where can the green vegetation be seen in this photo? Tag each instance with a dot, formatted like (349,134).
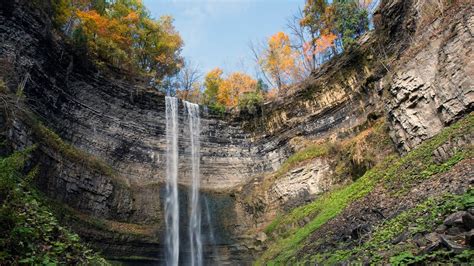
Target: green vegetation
(308,153)
(271,227)
(427,215)
(397,174)
(52,140)
(250,101)
(76,219)
(321,211)
(351,157)
(30,234)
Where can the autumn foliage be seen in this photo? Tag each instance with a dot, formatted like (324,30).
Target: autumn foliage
(230,91)
(233,87)
(122,34)
(278,59)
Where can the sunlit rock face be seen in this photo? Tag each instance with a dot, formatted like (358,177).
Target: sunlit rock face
(434,86)
(302,184)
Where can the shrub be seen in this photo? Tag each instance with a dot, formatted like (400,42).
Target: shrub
(250,101)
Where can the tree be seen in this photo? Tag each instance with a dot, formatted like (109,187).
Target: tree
(194,94)
(346,19)
(188,76)
(302,43)
(350,19)
(314,21)
(231,88)
(278,60)
(122,34)
(212,81)
(262,87)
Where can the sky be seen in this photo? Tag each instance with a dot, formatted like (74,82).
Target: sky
(217,33)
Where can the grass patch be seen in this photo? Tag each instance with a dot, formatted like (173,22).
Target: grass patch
(308,153)
(273,225)
(419,164)
(350,157)
(427,216)
(323,209)
(398,174)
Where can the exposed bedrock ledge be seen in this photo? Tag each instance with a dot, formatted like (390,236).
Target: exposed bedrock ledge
(434,85)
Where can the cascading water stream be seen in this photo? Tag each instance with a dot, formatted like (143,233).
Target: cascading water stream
(172,203)
(195,211)
(212,239)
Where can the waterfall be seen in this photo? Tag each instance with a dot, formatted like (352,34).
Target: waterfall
(195,215)
(171,202)
(212,238)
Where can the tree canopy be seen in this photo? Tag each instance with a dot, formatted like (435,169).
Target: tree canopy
(122,33)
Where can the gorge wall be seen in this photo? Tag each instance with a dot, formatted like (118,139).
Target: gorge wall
(108,161)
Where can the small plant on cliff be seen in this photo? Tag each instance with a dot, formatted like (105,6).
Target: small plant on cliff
(310,152)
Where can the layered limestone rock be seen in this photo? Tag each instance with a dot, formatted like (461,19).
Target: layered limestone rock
(433,85)
(302,184)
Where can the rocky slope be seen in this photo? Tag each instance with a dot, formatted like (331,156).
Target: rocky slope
(102,138)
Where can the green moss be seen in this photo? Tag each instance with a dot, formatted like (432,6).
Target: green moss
(308,153)
(30,234)
(398,174)
(323,209)
(52,140)
(352,157)
(272,226)
(419,164)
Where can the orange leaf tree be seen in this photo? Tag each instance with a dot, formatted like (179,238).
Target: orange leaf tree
(233,87)
(122,33)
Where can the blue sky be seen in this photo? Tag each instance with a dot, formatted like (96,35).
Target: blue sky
(217,32)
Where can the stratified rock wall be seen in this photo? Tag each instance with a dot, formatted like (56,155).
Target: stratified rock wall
(433,86)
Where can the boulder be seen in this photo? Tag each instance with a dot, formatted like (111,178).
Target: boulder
(455,218)
(468,221)
(469,238)
(400,238)
(432,237)
(261,237)
(441,228)
(455,231)
(452,245)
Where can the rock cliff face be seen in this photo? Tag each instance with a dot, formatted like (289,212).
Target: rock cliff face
(108,157)
(433,86)
(114,166)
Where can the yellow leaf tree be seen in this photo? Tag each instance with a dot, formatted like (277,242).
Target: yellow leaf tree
(278,59)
